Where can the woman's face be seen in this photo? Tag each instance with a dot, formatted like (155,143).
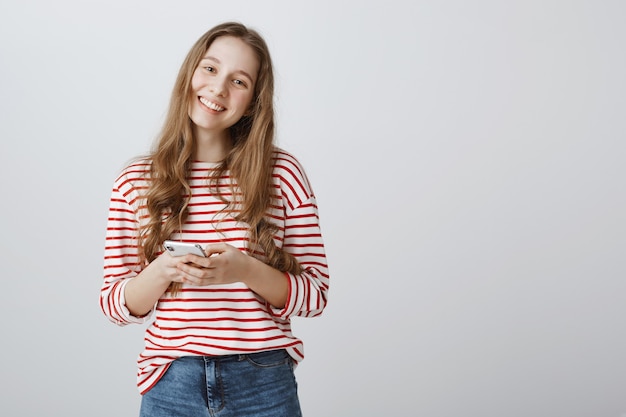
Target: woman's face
(222,86)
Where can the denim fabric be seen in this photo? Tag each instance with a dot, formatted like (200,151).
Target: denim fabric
(253,385)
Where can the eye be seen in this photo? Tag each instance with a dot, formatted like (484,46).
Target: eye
(209,69)
(240,83)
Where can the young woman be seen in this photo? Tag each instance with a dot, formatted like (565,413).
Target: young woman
(220,340)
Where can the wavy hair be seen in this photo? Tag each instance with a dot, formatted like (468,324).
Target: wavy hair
(249,161)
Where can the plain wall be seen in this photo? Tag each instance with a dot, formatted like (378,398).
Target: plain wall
(469,164)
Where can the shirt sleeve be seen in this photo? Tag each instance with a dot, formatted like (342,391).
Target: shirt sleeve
(121,256)
(308,291)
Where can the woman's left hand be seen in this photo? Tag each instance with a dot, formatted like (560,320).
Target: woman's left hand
(224,264)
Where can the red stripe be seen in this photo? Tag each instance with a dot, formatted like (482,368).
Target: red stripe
(210,310)
(197,329)
(213,337)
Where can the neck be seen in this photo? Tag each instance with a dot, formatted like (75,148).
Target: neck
(212,148)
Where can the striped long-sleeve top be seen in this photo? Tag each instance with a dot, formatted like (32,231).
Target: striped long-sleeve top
(215,319)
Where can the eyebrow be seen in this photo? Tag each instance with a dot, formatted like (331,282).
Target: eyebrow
(212,58)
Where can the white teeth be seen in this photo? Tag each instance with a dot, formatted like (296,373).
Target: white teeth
(211,105)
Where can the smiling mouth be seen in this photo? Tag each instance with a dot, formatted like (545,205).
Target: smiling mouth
(211,105)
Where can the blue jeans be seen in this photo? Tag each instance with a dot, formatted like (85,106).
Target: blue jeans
(252,385)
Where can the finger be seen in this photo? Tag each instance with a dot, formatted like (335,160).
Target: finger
(216,248)
(189,278)
(195,271)
(193,280)
(199,261)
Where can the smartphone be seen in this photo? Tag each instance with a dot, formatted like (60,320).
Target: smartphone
(182,248)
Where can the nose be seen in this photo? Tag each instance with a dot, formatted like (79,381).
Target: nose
(218,86)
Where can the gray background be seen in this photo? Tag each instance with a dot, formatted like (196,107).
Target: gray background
(468,159)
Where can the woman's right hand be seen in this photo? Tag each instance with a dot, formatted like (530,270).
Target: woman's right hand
(143,291)
(165,268)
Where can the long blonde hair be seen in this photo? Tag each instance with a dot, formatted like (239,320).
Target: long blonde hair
(250,160)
